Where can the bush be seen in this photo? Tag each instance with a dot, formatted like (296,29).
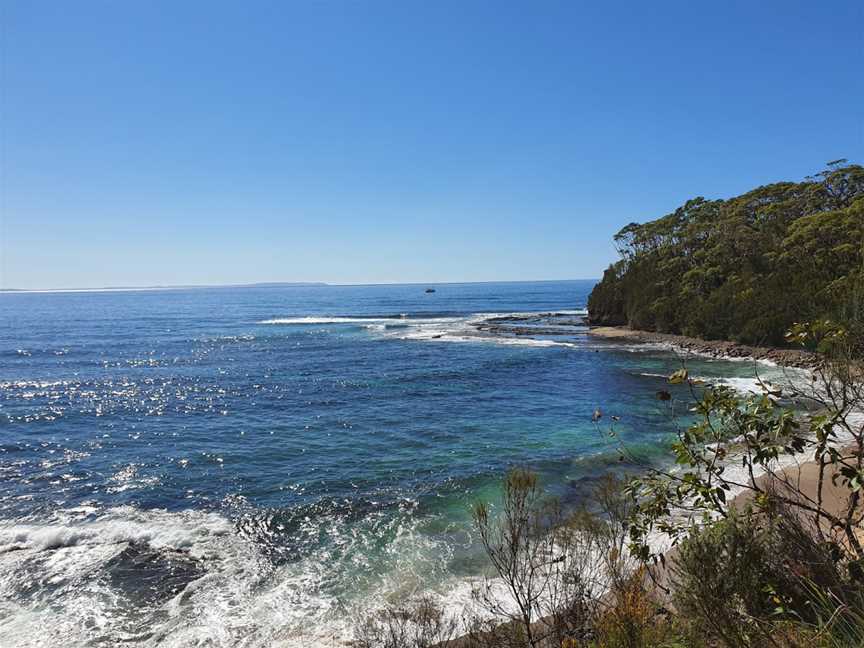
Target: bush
(417,624)
(723,579)
(634,619)
(767,579)
(544,567)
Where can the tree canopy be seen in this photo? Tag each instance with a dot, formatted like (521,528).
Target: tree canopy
(746,268)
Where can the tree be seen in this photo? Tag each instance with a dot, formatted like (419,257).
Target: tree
(743,269)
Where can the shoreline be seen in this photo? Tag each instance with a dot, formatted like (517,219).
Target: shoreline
(721,349)
(800,475)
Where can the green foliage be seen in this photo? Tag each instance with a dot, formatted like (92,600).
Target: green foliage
(743,269)
(837,623)
(726,581)
(765,579)
(780,565)
(789,571)
(755,431)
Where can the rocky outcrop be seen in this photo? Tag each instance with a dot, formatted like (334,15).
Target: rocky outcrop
(713,348)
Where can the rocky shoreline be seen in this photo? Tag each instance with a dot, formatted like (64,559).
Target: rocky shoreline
(532,324)
(797,358)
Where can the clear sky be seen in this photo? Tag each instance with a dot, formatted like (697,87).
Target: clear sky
(381,141)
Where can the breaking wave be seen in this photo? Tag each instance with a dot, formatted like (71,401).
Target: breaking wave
(540,329)
(160,578)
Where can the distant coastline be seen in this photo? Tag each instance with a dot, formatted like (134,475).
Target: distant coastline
(272,284)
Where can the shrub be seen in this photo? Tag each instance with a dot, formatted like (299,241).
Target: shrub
(634,619)
(417,624)
(723,579)
(542,565)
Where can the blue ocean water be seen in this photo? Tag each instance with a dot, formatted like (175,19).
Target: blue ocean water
(255,466)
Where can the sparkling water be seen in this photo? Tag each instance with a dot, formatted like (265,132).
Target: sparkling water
(256,466)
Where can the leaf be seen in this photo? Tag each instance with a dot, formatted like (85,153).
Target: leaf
(678,377)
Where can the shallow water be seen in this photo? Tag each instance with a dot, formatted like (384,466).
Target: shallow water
(252,466)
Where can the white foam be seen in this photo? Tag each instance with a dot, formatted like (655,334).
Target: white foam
(740,384)
(322,320)
(240,599)
(446,329)
(157,529)
(795,380)
(522,341)
(464,329)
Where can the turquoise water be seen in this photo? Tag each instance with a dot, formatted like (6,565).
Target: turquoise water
(253,466)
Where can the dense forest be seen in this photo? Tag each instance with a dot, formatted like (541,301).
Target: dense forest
(746,268)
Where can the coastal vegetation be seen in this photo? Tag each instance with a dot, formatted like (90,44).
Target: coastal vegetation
(753,538)
(752,535)
(746,268)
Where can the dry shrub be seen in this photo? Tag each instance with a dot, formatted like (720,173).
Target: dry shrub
(539,565)
(417,624)
(555,569)
(633,618)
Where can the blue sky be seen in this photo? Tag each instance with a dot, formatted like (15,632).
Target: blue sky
(177,143)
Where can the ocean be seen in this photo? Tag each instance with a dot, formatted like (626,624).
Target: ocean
(261,466)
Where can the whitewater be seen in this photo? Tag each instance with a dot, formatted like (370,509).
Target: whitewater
(262,466)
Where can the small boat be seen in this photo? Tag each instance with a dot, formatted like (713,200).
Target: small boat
(430,290)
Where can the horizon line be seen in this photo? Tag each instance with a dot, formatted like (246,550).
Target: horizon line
(276,284)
